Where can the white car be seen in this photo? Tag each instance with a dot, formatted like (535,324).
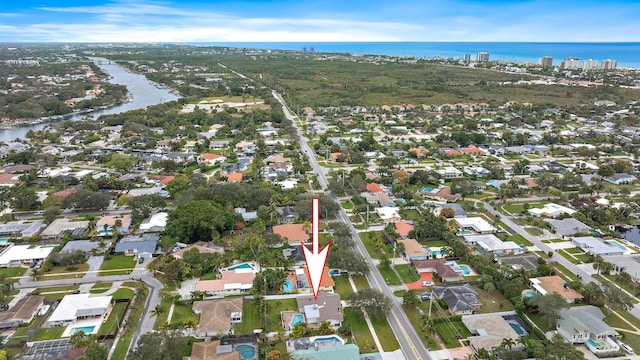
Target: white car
(427,283)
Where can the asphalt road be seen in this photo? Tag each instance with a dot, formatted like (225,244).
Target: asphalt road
(410,343)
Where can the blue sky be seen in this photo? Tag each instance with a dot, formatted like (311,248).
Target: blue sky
(319,20)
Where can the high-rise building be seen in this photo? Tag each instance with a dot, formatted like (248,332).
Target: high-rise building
(608,64)
(467,57)
(570,63)
(589,64)
(546,61)
(483,56)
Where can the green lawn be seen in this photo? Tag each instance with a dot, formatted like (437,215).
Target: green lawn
(346,204)
(167,241)
(343,287)
(615,321)
(407,273)
(360,330)
(49,333)
(385,334)
(410,214)
(492,301)
(361,282)
(135,315)
(65,288)
(183,314)
(389,275)
(632,340)
(112,322)
(161,318)
(449,331)
(435,243)
(118,262)
(250,319)
(534,231)
(517,208)
(123,293)
(99,288)
(416,321)
(13,271)
(209,276)
(373,243)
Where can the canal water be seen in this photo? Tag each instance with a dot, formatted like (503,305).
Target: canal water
(142,92)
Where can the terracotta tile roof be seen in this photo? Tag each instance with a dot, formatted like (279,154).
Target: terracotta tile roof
(439,265)
(167,179)
(228,277)
(232,177)
(208,351)
(472,149)
(209,156)
(9,179)
(64,193)
(452,152)
(374,188)
(403,228)
(294,233)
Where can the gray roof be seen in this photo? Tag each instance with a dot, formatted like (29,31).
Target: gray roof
(25,229)
(84,245)
(597,246)
(458,297)
(587,318)
(568,226)
(457,208)
(145,243)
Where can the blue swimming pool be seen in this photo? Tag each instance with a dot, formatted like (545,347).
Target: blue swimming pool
(617,244)
(465,269)
(529,294)
(426,190)
(297,319)
(86,329)
(241,266)
(518,329)
(247,352)
(323,341)
(287,286)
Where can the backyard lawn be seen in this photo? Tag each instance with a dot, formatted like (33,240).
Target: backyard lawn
(250,318)
(49,333)
(492,301)
(123,293)
(183,315)
(411,215)
(448,332)
(116,316)
(343,287)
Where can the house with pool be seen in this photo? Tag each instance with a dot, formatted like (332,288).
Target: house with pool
(327,307)
(474,225)
(231,282)
(81,312)
(490,244)
(585,325)
(554,284)
(24,255)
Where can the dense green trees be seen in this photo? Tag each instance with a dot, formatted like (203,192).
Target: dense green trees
(162,345)
(199,220)
(86,199)
(375,303)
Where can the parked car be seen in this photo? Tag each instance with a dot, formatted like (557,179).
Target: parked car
(425,296)
(427,283)
(140,260)
(4,307)
(626,348)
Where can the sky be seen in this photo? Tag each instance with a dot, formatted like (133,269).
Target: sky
(318,20)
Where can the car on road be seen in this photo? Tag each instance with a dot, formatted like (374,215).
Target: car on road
(4,307)
(425,296)
(76,291)
(141,260)
(427,283)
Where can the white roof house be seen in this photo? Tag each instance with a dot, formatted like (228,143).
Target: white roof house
(157,222)
(477,224)
(78,307)
(388,214)
(491,244)
(17,255)
(552,210)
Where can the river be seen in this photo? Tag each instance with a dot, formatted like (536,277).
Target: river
(142,92)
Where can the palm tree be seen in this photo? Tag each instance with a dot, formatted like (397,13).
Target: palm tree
(508,343)
(159,309)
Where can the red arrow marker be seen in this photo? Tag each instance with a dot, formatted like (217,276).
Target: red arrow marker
(315,258)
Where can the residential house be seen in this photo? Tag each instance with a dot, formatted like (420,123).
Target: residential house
(246,215)
(245,148)
(450,172)
(212,350)
(388,214)
(22,312)
(155,223)
(403,229)
(218,316)
(142,246)
(288,214)
(303,281)
(21,228)
(488,331)
(77,307)
(443,271)
(568,227)
(476,224)
(106,224)
(24,255)
(490,244)
(413,250)
(59,227)
(376,189)
(460,299)
(210,159)
(9,180)
(327,307)
(554,284)
(231,282)
(551,210)
(472,150)
(621,178)
(597,246)
(86,246)
(233,177)
(292,233)
(585,325)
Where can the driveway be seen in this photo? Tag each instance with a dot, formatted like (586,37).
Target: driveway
(186,288)
(94,265)
(416,285)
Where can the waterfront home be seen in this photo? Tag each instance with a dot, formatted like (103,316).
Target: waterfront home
(554,284)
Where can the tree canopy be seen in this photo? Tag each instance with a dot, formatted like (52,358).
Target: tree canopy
(199,220)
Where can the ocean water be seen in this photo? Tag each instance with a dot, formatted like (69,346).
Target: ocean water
(627,54)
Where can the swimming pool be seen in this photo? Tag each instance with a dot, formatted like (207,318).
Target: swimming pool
(247,352)
(324,341)
(287,286)
(518,329)
(617,244)
(465,269)
(465,232)
(426,190)
(297,319)
(436,253)
(48,246)
(86,329)
(241,266)
(529,294)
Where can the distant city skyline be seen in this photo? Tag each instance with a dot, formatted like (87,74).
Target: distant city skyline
(316,21)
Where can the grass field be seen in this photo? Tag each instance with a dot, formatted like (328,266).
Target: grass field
(361,282)
(343,287)
(112,322)
(135,315)
(416,320)
(492,301)
(411,214)
(449,331)
(385,334)
(183,314)
(360,330)
(13,271)
(407,273)
(123,293)
(118,262)
(65,288)
(49,333)
(373,243)
(389,275)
